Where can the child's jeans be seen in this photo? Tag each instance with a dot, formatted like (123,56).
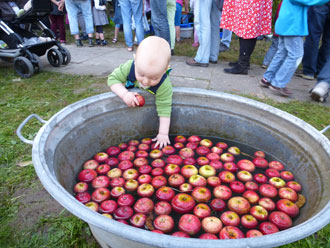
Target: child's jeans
(285,61)
(271,51)
(73,8)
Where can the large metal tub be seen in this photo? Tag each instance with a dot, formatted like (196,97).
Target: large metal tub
(80,130)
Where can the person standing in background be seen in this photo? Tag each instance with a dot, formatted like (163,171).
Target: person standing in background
(170,18)
(118,20)
(57,20)
(159,19)
(178,15)
(100,19)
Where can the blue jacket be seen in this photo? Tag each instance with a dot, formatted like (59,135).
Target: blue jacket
(292,19)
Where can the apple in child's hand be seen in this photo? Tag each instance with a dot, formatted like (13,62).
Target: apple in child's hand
(140,100)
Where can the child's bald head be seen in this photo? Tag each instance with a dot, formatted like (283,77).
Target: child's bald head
(152,56)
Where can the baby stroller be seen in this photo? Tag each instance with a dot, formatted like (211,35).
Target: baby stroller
(24,45)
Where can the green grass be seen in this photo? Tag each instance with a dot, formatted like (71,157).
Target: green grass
(47,93)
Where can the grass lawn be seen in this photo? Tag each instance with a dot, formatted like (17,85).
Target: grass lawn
(28,216)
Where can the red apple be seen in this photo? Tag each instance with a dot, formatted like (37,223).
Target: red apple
(123,146)
(174,159)
(201,194)
(101,182)
(145,190)
(114,173)
(147,141)
(230,166)
(221,145)
(212,225)
(259,154)
(213,181)
(144,205)
(231,232)
(202,210)
(164,223)
(186,187)
(268,228)
(251,186)
(117,191)
(226,176)
(171,169)
(155,153)
(260,178)
(165,193)
(253,233)
(188,161)
(230,218)
(87,175)
(239,205)
(100,194)
(145,169)
(207,171)
(142,154)
(227,157)
(251,196)
(287,207)
(92,205)
(206,142)
(218,204)
(178,145)
(244,176)
(102,169)
(180,139)
(176,180)
(213,156)
(186,153)
(112,161)
(277,165)
(157,172)
(259,212)
(216,164)
(120,182)
(189,170)
(162,207)
(83,197)
(126,155)
(125,200)
(133,142)
(192,145)
(197,180)
(234,150)
(272,173)
(168,150)
(246,165)
(280,219)
(131,185)
(138,162)
(189,224)
(113,151)
(138,220)
(216,149)
(131,148)
(123,213)
(287,175)
(183,203)
(144,178)
(108,206)
(248,221)
(288,193)
(260,163)
(222,192)
(180,234)
(208,236)
(202,150)
(194,138)
(268,190)
(267,203)
(143,147)
(101,157)
(294,185)
(91,164)
(130,174)
(237,187)
(277,182)
(80,187)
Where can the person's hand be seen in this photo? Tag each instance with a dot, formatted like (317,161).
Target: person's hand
(162,140)
(130,99)
(61,6)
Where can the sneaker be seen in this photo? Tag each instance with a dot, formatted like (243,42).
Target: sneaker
(320,91)
(263,66)
(193,62)
(264,83)
(79,43)
(223,48)
(90,42)
(104,42)
(97,42)
(282,91)
(307,77)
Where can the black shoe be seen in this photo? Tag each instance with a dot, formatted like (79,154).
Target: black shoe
(236,70)
(83,36)
(233,64)
(213,61)
(104,42)
(90,42)
(97,42)
(79,43)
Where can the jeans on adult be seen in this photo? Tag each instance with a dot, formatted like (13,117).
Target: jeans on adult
(73,8)
(159,19)
(286,60)
(209,38)
(170,18)
(226,35)
(318,25)
(131,8)
(324,74)
(271,51)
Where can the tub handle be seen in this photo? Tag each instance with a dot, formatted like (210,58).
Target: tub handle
(19,129)
(325,129)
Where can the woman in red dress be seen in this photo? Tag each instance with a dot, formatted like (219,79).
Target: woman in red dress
(248,19)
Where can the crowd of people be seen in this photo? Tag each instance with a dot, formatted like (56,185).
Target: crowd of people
(299,27)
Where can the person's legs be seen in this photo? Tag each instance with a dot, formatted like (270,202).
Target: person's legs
(61,27)
(126,13)
(115,38)
(294,46)
(203,52)
(177,21)
(321,89)
(215,32)
(271,52)
(196,23)
(324,51)
(73,9)
(88,17)
(53,24)
(170,18)
(226,37)
(316,19)
(159,19)
(137,15)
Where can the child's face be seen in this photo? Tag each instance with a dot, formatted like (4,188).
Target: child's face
(148,78)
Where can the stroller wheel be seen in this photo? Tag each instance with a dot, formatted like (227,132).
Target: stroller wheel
(37,63)
(55,57)
(23,67)
(66,56)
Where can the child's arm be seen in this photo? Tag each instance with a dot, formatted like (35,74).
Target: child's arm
(128,97)
(162,138)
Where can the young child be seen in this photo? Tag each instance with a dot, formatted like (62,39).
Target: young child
(291,26)
(100,19)
(148,72)
(118,20)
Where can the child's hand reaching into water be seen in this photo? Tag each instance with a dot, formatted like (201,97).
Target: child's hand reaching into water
(162,140)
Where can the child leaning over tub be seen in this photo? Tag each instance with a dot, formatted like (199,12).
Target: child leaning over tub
(148,72)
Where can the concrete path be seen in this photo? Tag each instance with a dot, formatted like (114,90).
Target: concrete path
(100,61)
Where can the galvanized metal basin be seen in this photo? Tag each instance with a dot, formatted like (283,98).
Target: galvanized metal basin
(80,130)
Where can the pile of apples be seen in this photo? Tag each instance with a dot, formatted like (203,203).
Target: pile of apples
(196,188)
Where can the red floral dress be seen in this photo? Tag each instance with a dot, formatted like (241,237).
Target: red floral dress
(247,18)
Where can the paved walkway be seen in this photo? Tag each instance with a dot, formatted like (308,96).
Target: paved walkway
(100,61)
